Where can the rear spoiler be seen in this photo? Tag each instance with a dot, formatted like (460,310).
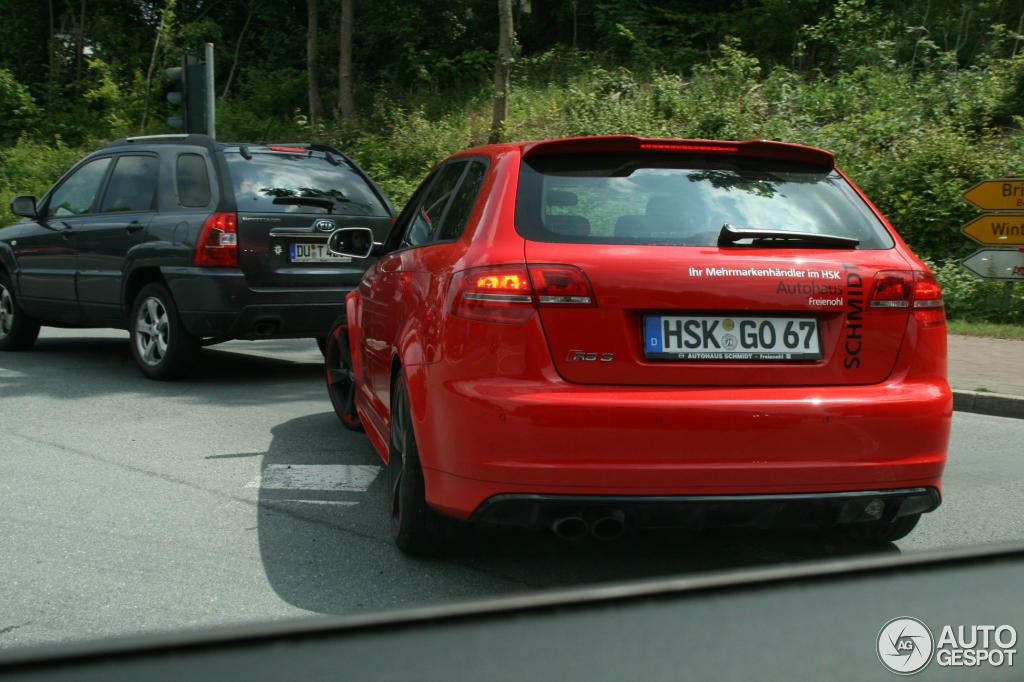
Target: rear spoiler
(761,149)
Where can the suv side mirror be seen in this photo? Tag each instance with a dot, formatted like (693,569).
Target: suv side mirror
(25,206)
(355,242)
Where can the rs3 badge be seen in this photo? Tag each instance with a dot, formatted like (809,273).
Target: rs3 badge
(581,356)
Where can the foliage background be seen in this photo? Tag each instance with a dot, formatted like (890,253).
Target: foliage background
(918,99)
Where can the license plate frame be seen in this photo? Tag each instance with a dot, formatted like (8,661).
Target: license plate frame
(661,341)
(313,252)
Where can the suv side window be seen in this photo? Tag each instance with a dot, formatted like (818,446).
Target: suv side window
(462,204)
(430,213)
(193,180)
(132,185)
(77,194)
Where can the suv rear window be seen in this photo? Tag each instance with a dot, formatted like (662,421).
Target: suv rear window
(273,175)
(683,200)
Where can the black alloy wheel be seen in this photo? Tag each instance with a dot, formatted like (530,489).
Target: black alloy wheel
(17,330)
(162,347)
(416,527)
(341,379)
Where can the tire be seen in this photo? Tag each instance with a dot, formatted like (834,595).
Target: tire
(18,331)
(321,343)
(162,347)
(417,529)
(879,531)
(341,381)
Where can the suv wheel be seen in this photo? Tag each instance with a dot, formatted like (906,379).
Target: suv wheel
(161,345)
(18,331)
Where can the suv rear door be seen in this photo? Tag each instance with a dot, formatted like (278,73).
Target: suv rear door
(129,203)
(289,199)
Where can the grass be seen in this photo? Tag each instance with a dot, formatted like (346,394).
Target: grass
(986,329)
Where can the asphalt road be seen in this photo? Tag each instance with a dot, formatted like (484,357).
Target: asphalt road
(130,506)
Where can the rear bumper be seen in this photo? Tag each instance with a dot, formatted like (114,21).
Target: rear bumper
(217,302)
(712,511)
(480,439)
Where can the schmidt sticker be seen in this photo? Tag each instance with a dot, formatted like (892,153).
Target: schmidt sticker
(905,646)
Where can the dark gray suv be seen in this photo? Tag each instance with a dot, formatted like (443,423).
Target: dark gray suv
(186,242)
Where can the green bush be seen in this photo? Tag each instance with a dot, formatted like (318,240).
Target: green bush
(972,299)
(31,167)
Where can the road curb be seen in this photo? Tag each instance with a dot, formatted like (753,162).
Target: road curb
(995,404)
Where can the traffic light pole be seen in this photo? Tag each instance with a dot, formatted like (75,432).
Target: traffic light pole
(211,100)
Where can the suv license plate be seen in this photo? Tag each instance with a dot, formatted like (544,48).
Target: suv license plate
(314,253)
(722,337)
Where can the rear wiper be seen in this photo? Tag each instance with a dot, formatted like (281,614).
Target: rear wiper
(306,201)
(731,234)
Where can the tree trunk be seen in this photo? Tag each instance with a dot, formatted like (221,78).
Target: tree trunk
(81,44)
(149,74)
(502,68)
(346,104)
(316,106)
(238,46)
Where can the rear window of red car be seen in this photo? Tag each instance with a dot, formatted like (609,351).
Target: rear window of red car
(684,200)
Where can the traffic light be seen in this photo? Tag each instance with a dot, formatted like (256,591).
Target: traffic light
(191,98)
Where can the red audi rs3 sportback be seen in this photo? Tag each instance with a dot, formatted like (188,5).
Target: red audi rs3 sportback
(604,333)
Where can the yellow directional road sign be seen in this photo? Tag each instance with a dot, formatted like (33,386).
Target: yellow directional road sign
(996,229)
(997,195)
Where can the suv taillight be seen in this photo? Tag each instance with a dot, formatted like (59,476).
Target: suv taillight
(505,294)
(217,244)
(910,289)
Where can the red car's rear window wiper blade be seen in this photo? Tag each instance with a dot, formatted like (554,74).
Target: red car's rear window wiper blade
(731,234)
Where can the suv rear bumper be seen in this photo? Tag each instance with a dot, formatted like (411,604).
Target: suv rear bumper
(218,302)
(711,511)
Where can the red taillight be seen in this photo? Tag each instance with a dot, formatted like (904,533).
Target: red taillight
(562,285)
(892,289)
(292,150)
(910,289)
(217,244)
(504,293)
(493,294)
(928,306)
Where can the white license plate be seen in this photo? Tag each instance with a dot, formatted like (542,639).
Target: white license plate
(724,337)
(314,253)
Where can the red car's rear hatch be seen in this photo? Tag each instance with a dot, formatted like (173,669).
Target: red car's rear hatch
(779,297)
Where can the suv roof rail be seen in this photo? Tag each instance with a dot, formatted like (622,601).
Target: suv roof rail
(175,136)
(180,138)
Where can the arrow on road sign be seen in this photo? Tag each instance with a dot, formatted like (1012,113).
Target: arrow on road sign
(996,229)
(1005,264)
(997,195)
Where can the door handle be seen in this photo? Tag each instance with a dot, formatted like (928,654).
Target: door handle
(134,226)
(67,231)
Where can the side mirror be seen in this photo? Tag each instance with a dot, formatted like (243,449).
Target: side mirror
(25,206)
(355,242)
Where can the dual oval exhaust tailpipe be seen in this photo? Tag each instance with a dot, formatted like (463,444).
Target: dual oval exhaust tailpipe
(603,524)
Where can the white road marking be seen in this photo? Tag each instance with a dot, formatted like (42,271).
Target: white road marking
(355,478)
(343,503)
